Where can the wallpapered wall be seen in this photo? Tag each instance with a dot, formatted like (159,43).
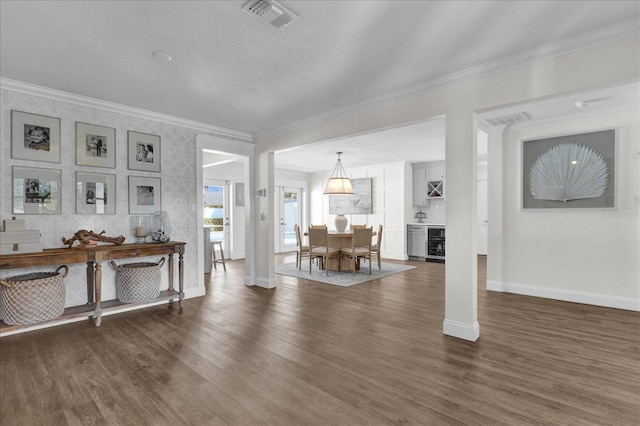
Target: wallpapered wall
(178,175)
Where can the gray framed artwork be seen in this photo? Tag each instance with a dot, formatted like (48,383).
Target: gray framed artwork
(570,171)
(144,151)
(144,195)
(35,137)
(36,191)
(95,193)
(95,145)
(358,203)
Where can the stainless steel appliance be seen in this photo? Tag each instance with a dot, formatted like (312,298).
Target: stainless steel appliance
(416,241)
(435,244)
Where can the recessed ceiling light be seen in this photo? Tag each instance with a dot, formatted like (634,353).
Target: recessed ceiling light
(161,56)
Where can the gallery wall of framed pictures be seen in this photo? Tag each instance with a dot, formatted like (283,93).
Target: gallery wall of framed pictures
(38,190)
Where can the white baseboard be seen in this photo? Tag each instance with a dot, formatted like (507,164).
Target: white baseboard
(469,332)
(262,282)
(395,255)
(194,292)
(625,303)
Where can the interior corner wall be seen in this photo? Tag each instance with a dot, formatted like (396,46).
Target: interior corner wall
(388,192)
(579,255)
(234,173)
(177,180)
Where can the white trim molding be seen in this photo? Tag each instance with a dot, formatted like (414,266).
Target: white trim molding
(58,95)
(626,303)
(608,34)
(265,282)
(469,332)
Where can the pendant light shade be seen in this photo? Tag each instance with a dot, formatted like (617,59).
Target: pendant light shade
(339,183)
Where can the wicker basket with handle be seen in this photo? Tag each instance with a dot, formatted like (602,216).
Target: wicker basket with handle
(34,297)
(137,282)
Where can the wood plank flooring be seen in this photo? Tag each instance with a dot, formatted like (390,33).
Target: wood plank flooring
(307,353)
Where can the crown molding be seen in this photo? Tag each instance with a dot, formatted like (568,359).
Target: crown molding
(58,95)
(609,34)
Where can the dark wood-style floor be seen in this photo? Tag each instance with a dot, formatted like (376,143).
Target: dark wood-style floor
(315,354)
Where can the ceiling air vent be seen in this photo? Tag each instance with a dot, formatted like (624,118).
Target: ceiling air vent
(509,119)
(270,11)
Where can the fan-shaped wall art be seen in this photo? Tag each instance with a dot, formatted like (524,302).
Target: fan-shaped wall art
(568,171)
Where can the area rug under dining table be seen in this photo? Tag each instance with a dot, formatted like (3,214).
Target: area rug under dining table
(343,279)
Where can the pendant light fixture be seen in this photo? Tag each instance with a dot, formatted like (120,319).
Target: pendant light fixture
(339,183)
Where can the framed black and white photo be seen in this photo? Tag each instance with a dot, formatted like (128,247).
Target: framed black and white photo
(35,137)
(144,151)
(36,191)
(144,195)
(95,145)
(95,193)
(569,171)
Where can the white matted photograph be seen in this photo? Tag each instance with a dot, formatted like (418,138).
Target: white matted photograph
(95,145)
(144,195)
(36,191)
(35,137)
(144,151)
(95,193)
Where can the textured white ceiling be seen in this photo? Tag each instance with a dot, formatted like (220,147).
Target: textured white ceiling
(234,71)
(426,141)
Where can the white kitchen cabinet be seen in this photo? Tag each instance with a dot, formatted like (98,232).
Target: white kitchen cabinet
(428,182)
(435,189)
(434,173)
(419,186)
(434,176)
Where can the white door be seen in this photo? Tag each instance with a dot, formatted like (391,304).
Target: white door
(289,213)
(216,213)
(483,222)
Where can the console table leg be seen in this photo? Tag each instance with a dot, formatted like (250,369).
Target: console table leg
(91,283)
(171,272)
(180,279)
(98,295)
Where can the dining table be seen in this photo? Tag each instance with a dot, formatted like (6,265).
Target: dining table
(340,240)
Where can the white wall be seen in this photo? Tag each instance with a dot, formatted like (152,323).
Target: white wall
(178,170)
(580,70)
(581,255)
(233,173)
(388,196)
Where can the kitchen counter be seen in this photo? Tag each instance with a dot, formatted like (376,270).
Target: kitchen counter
(426,224)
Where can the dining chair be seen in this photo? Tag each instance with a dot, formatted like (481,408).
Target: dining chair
(318,226)
(360,247)
(375,248)
(352,226)
(319,248)
(302,250)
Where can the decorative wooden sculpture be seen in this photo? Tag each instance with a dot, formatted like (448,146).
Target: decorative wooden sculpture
(90,238)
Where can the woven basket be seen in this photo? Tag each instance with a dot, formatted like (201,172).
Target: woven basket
(137,282)
(34,297)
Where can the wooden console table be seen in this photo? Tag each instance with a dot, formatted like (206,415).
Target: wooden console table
(93,257)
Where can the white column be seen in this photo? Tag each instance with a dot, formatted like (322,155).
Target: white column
(461,299)
(265,243)
(495,195)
